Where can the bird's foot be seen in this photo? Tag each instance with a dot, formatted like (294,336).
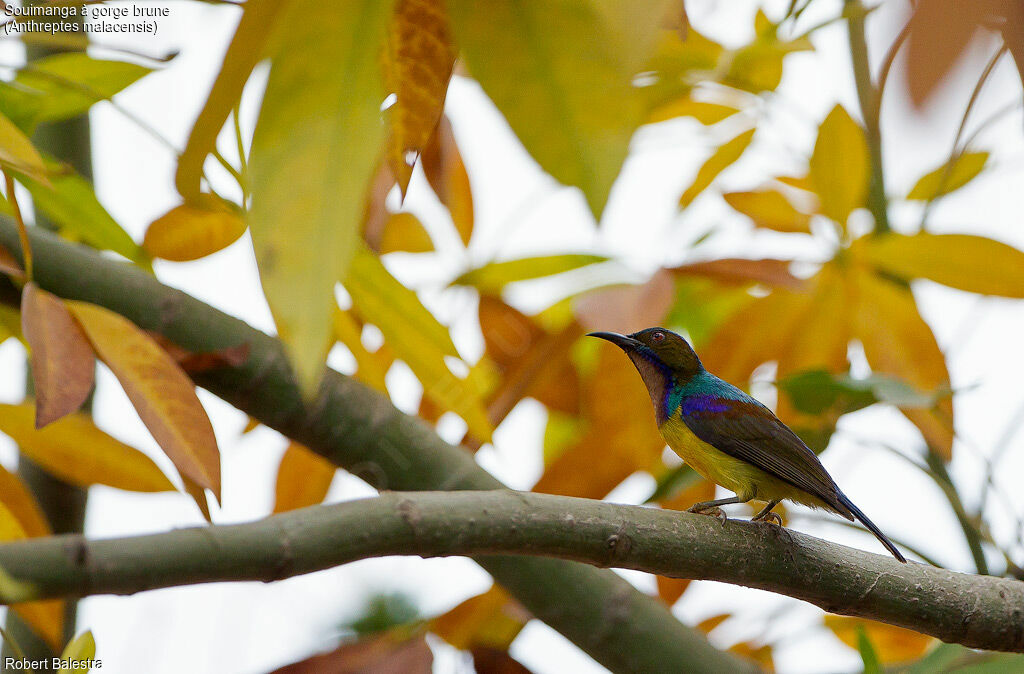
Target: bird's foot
(713,511)
(769,517)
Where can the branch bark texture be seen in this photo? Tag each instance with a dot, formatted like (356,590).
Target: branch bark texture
(361,431)
(976,611)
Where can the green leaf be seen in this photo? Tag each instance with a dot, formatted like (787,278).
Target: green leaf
(867,653)
(82,647)
(672,482)
(554,70)
(315,149)
(70,202)
(18,153)
(63,86)
(949,176)
(493,277)
(721,159)
(816,391)
(840,166)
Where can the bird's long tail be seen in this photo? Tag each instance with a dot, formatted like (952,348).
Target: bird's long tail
(871,527)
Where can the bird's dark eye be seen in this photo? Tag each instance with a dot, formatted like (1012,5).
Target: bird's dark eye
(658,337)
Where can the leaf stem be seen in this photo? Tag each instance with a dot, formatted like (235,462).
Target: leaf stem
(941,476)
(870,107)
(26,247)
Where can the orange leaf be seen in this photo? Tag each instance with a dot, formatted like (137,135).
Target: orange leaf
(303,479)
(418,63)
(17,499)
(198,496)
(898,342)
(627,308)
(46,618)
(840,165)
(9,265)
(63,365)
(892,644)
(442,164)
(383,654)
(770,209)
(743,272)
(721,159)
(492,619)
(371,368)
(74,449)
(403,232)
(162,394)
(194,229)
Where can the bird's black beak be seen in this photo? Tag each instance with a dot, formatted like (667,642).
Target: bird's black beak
(624,342)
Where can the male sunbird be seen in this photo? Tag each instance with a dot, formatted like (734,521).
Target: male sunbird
(729,437)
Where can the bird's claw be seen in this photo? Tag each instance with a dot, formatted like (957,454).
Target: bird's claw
(713,511)
(770,517)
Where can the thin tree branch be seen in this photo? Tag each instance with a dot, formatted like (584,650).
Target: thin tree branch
(976,611)
(360,430)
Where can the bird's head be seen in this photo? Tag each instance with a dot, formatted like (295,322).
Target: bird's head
(663,358)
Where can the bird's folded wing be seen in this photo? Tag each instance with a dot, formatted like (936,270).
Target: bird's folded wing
(750,432)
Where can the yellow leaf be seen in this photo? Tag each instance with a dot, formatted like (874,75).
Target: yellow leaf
(722,159)
(636,27)
(62,361)
(248,47)
(442,164)
(81,648)
(10,527)
(415,336)
(704,112)
(371,368)
(18,500)
(74,449)
(949,176)
(18,153)
(162,394)
(555,71)
(762,655)
(303,479)
(972,263)
(492,619)
(898,342)
(769,209)
(417,66)
(840,165)
(314,151)
(892,644)
(194,229)
(404,232)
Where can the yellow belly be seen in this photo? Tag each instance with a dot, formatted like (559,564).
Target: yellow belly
(747,481)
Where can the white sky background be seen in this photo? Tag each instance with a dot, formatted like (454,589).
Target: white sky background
(519,210)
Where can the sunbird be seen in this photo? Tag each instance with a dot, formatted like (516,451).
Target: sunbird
(729,437)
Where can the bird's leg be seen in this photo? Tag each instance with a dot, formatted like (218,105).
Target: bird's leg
(766,514)
(712,507)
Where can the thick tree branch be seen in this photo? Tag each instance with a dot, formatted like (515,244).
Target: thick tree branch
(361,431)
(976,611)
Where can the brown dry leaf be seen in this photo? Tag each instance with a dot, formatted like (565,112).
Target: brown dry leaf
(303,479)
(627,308)
(898,342)
(74,449)
(389,653)
(621,436)
(840,165)
(442,164)
(63,365)
(162,394)
(739,271)
(198,495)
(491,620)
(495,661)
(770,209)
(892,644)
(531,361)
(972,263)
(203,361)
(194,229)
(722,158)
(403,232)
(21,504)
(418,61)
